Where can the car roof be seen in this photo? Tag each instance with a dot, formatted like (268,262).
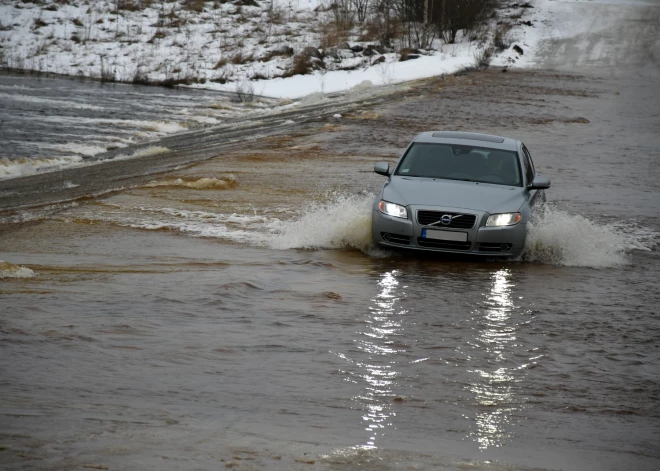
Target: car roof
(469,139)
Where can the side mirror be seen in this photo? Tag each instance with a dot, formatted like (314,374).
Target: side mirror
(382,168)
(540,183)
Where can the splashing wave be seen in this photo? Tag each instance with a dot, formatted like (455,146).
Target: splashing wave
(342,222)
(9,270)
(558,238)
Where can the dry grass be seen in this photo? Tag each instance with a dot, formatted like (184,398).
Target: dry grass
(301,66)
(194,5)
(39,23)
(332,36)
(221,63)
(239,58)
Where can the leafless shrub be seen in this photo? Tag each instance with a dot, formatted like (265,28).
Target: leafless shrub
(223,77)
(332,35)
(361,9)
(107,72)
(371,32)
(462,15)
(422,20)
(343,13)
(244,92)
(140,76)
(301,66)
(501,41)
(483,57)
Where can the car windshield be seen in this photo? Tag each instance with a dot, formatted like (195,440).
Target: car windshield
(461,162)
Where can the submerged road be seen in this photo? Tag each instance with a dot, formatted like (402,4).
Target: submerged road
(231,313)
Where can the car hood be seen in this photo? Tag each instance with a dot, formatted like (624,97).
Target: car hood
(454,194)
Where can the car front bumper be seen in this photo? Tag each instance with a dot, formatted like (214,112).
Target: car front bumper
(504,241)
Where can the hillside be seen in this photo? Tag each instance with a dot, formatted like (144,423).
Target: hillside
(277,48)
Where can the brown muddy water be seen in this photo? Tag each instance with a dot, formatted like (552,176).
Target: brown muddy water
(232,314)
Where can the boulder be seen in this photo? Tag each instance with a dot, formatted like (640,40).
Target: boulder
(284,50)
(311,51)
(378,48)
(406,56)
(333,54)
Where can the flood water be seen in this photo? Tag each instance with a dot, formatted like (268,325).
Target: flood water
(51,123)
(233,314)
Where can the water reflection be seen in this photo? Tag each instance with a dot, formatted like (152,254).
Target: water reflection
(493,387)
(378,370)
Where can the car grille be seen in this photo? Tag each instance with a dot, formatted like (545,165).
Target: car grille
(443,244)
(395,238)
(465,221)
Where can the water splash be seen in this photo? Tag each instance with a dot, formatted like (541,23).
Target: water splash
(24,166)
(222,183)
(9,270)
(558,238)
(342,221)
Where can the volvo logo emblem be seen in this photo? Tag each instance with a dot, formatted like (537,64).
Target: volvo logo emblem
(446,219)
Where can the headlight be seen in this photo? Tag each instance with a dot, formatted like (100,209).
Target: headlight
(392,209)
(504,219)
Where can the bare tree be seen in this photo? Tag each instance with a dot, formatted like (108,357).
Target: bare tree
(361,9)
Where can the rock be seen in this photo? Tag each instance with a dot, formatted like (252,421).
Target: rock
(284,50)
(379,60)
(518,49)
(333,54)
(357,48)
(311,51)
(368,52)
(407,56)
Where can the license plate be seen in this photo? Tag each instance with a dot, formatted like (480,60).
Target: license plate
(444,235)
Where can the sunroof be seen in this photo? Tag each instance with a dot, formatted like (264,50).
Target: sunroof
(473,136)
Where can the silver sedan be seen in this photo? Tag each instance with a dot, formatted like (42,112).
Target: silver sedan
(458,192)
